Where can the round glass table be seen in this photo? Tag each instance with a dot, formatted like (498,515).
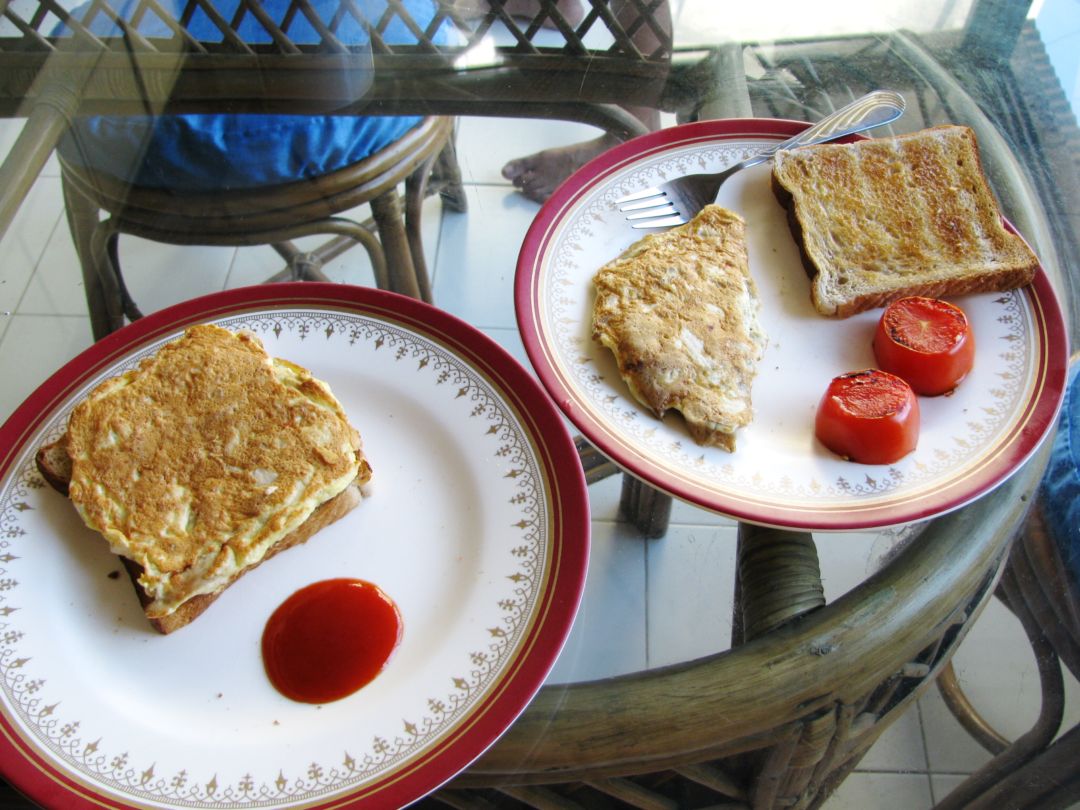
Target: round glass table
(597,613)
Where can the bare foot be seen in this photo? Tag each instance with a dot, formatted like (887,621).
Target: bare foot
(538,175)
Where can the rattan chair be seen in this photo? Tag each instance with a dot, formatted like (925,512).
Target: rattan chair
(273,215)
(252,178)
(1041,586)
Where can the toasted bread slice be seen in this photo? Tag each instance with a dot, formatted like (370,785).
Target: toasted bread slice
(880,219)
(680,312)
(206,460)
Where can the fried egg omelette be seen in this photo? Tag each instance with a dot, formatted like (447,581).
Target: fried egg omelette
(202,460)
(679,310)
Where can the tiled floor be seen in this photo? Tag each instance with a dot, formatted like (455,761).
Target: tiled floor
(634,588)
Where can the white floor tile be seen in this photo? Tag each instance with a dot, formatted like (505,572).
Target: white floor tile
(160,275)
(25,240)
(845,559)
(32,349)
(900,748)
(604,498)
(477,257)
(9,132)
(608,637)
(10,128)
(691,589)
(688,514)
(57,286)
(255,265)
(941,785)
(882,791)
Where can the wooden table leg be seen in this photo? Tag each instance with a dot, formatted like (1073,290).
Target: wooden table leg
(644,506)
(647,508)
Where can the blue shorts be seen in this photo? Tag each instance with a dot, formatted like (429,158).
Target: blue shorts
(1060,488)
(198,153)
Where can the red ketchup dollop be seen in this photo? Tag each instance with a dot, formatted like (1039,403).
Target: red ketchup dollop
(329,639)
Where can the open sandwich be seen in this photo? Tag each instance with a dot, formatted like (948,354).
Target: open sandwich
(208,458)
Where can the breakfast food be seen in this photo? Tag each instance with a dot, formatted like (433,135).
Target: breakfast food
(208,458)
(880,219)
(870,416)
(679,311)
(927,342)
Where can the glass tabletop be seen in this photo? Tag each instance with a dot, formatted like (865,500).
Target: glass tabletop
(720,654)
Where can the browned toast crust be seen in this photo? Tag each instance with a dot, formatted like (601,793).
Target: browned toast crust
(54,464)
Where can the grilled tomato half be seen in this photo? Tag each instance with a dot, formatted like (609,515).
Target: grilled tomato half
(870,416)
(927,342)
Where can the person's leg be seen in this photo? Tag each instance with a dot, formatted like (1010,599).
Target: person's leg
(539,174)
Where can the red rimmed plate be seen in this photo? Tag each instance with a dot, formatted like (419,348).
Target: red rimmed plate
(778,475)
(477,525)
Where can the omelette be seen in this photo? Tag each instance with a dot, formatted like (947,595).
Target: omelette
(200,461)
(679,310)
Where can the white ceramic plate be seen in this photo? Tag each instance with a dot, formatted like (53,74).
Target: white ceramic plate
(476,525)
(778,475)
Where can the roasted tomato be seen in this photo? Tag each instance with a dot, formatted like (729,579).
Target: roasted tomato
(926,341)
(871,417)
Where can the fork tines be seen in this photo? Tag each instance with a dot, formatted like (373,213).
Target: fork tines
(652,204)
(644,194)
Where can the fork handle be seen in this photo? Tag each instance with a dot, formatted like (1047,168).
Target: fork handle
(872,110)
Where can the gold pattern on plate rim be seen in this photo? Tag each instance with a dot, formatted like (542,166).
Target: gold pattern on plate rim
(89,754)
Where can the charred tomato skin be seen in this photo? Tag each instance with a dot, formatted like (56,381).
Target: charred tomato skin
(927,342)
(869,416)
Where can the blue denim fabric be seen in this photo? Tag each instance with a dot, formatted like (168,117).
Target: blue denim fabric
(1060,488)
(205,153)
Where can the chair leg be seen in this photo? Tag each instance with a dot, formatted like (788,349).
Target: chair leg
(112,254)
(346,234)
(960,707)
(103,304)
(416,185)
(105,253)
(446,177)
(985,788)
(387,210)
(302,265)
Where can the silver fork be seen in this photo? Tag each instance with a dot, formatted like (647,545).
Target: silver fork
(678,200)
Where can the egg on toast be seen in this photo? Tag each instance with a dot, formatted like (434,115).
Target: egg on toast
(202,462)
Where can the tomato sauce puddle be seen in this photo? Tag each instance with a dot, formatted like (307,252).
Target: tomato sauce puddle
(329,639)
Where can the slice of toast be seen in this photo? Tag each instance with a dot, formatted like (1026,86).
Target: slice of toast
(55,467)
(679,311)
(205,460)
(880,219)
